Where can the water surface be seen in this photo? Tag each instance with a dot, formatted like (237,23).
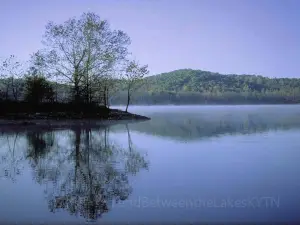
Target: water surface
(187,164)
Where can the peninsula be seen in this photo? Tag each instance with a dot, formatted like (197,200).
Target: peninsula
(72,78)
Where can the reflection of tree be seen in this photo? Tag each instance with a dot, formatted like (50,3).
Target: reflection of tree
(134,158)
(87,174)
(11,160)
(39,143)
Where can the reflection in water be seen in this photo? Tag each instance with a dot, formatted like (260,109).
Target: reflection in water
(213,122)
(11,160)
(83,171)
(39,143)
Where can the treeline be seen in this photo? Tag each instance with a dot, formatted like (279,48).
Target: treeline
(194,87)
(190,98)
(82,64)
(202,87)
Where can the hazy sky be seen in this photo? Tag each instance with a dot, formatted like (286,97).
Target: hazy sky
(226,36)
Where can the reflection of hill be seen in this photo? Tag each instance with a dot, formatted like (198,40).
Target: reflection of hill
(83,171)
(192,126)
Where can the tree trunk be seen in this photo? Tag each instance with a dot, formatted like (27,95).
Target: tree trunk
(7,92)
(14,89)
(76,87)
(90,94)
(128,100)
(107,100)
(56,89)
(77,95)
(104,96)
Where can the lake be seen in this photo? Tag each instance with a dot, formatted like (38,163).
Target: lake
(187,164)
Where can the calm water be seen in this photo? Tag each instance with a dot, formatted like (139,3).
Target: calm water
(192,164)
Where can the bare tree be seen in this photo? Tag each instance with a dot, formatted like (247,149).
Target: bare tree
(11,70)
(133,75)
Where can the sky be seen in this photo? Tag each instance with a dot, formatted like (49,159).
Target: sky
(227,36)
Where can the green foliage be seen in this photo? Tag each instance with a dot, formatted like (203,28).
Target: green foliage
(188,86)
(204,81)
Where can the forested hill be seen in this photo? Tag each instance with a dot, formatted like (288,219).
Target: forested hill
(188,80)
(187,86)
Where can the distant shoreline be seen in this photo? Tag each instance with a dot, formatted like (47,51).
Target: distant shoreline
(206,104)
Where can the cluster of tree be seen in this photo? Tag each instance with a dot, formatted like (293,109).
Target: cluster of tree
(188,86)
(83,54)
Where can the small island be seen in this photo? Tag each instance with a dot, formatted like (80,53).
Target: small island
(72,79)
